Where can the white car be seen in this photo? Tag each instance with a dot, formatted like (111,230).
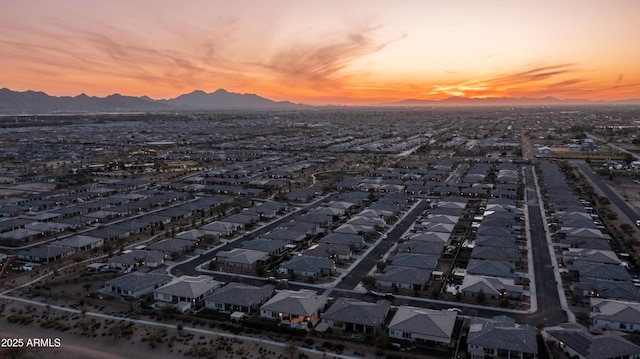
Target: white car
(457,310)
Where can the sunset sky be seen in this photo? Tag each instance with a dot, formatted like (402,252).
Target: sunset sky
(321,52)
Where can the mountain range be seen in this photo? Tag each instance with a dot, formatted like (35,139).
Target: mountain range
(32,102)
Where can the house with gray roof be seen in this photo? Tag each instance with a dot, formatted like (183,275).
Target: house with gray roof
(80,242)
(434,227)
(136,284)
(239,297)
(608,314)
(413,260)
(170,246)
(584,270)
(356,315)
(221,228)
(297,308)
(194,235)
(308,266)
(492,268)
(495,241)
(432,237)
(187,289)
(590,255)
(584,242)
(274,247)
(496,253)
(136,258)
(355,241)
(501,337)
(45,253)
(403,278)
(421,247)
(295,233)
(429,326)
(589,287)
(241,258)
(333,251)
(492,287)
(581,343)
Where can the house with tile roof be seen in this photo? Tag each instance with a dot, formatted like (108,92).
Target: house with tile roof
(501,337)
(428,326)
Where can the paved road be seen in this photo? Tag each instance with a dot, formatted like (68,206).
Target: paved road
(549,311)
(615,199)
(351,280)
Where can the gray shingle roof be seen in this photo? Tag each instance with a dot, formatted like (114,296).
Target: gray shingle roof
(303,302)
(502,333)
(241,294)
(355,311)
(427,322)
(137,281)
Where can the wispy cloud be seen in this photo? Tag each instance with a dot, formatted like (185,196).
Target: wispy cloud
(325,59)
(541,80)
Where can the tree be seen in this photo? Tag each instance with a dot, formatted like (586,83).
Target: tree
(87,286)
(381,337)
(481,296)
(291,348)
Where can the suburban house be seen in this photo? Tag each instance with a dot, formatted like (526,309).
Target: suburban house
(403,278)
(501,337)
(421,247)
(617,315)
(307,266)
(590,255)
(292,234)
(578,342)
(80,242)
(222,229)
(333,251)
(355,315)
(44,254)
(428,326)
(238,297)
(136,258)
(136,284)
(492,287)
(274,247)
(354,241)
(187,289)
(492,268)
(413,260)
(241,258)
(296,308)
(173,246)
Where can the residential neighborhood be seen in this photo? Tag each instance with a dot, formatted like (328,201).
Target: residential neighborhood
(495,239)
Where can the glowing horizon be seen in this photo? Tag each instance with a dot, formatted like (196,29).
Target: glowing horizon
(334,52)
